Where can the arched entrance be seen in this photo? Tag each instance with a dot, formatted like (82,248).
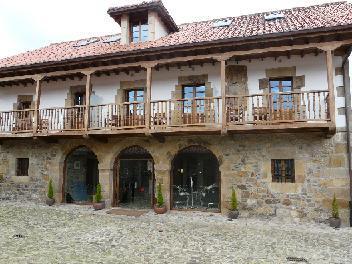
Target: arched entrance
(195,179)
(134,178)
(81,176)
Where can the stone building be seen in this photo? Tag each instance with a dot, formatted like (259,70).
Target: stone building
(259,103)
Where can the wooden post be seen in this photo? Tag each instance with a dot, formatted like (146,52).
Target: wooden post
(87,104)
(148,97)
(331,87)
(223,60)
(223,95)
(38,92)
(147,111)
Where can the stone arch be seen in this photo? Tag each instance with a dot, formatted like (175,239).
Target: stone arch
(133,178)
(195,179)
(80,174)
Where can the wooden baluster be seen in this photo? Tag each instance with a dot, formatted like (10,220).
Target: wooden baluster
(314,106)
(308,102)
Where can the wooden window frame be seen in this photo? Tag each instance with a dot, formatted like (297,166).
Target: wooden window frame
(283,176)
(193,115)
(22,166)
(139,23)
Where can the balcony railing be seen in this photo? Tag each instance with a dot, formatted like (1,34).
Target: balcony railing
(112,116)
(61,119)
(186,112)
(277,108)
(17,121)
(309,107)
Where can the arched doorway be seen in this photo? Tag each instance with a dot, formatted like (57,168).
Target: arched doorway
(81,176)
(134,179)
(195,179)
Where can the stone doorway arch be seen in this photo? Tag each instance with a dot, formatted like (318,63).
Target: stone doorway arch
(81,176)
(133,183)
(195,179)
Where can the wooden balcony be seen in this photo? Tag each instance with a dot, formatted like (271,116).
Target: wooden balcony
(279,112)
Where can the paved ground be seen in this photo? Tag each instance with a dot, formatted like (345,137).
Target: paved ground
(32,233)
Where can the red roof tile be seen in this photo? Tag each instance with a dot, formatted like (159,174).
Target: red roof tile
(296,19)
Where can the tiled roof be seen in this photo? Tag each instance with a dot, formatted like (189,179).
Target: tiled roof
(297,19)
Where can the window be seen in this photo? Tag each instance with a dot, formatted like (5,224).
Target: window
(283,170)
(22,165)
(139,31)
(279,100)
(193,91)
(136,98)
(79,99)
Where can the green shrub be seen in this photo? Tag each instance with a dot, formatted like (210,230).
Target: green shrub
(335,208)
(233,204)
(50,190)
(159,196)
(97,196)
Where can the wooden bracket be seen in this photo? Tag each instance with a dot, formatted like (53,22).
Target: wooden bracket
(151,64)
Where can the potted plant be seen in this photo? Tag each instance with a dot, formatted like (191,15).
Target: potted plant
(233,211)
(98,204)
(159,207)
(335,220)
(50,195)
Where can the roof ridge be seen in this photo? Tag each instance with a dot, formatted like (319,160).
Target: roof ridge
(260,13)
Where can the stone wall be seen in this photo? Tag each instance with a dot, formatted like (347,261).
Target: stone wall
(320,168)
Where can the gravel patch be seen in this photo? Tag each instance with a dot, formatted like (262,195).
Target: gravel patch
(34,233)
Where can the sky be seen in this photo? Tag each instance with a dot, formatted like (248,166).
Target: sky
(27,25)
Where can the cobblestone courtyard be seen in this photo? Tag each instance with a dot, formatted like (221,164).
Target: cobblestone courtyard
(31,233)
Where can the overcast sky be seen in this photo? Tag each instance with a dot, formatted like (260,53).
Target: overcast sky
(31,24)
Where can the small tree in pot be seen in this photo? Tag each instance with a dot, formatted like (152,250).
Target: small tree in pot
(98,204)
(50,195)
(233,211)
(335,220)
(159,207)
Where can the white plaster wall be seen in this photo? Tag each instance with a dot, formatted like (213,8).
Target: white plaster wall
(164,81)
(8,95)
(160,28)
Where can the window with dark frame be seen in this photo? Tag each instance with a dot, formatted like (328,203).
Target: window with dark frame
(279,86)
(22,166)
(193,91)
(283,170)
(139,30)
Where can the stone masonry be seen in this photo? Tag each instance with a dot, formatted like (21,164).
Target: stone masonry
(245,164)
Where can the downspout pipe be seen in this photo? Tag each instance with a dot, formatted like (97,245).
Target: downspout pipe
(347,86)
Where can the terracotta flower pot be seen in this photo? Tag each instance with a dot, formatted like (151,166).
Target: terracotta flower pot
(335,222)
(160,210)
(233,214)
(49,201)
(99,206)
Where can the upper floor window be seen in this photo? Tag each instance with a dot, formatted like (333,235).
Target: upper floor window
(136,98)
(193,91)
(283,170)
(139,30)
(22,165)
(79,99)
(280,87)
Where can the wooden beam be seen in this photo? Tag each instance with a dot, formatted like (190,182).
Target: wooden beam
(331,86)
(190,58)
(88,93)
(38,92)
(223,94)
(148,97)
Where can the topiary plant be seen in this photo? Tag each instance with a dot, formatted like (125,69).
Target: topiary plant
(335,208)
(97,196)
(159,196)
(233,203)
(50,190)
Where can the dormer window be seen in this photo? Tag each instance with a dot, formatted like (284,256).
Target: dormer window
(139,30)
